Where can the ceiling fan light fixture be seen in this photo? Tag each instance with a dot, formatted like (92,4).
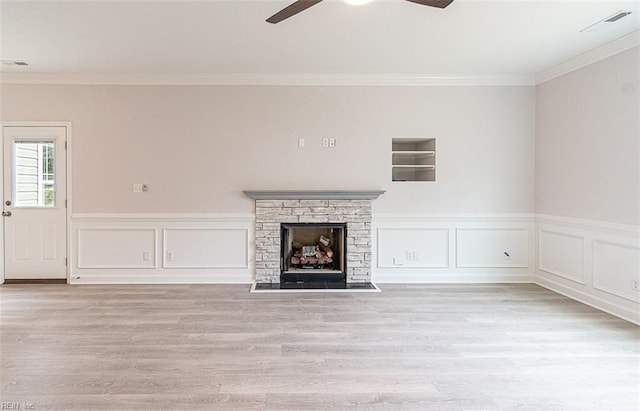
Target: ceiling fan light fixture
(301,5)
(357,2)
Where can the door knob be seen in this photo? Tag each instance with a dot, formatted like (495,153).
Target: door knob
(8,202)
(6,213)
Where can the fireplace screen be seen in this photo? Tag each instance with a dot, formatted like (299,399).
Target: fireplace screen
(313,251)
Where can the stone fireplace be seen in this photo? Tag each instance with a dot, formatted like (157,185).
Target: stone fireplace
(350,209)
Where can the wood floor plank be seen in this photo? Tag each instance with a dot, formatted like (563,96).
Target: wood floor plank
(411,347)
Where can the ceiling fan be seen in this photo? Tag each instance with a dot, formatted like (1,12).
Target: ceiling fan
(301,5)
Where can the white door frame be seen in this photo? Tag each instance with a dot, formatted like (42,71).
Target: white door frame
(67,125)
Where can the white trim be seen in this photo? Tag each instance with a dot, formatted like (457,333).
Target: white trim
(136,276)
(522,229)
(453,274)
(159,274)
(592,232)
(435,218)
(581,280)
(413,266)
(590,300)
(68,200)
(185,217)
(255,79)
(2,247)
(592,56)
(585,224)
(453,278)
(154,263)
(177,266)
(596,277)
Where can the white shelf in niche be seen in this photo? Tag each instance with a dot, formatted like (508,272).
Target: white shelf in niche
(431,167)
(418,153)
(413,159)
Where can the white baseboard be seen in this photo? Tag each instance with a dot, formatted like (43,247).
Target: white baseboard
(588,298)
(594,262)
(453,278)
(123,276)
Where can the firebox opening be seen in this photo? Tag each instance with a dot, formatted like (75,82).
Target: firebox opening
(313,252)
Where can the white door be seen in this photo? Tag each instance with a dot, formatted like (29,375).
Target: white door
(34,208)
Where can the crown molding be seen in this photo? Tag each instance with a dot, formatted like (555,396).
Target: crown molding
(249,79)
(592,56)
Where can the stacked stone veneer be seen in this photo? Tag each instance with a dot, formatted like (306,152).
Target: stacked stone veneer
(355,213)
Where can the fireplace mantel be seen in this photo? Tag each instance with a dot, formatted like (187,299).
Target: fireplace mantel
(314,194)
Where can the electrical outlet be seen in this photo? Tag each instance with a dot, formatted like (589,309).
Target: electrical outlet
(332,142)
(146,256)
(301,142)
(635,284)
(325,142)
(169,256)
(140,188)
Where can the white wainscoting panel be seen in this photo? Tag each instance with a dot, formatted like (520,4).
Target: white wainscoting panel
(616,268)
(595,262)
(492,247)
(562,255)
(133,248)
(413,247)
(109,248)
(205,248)
(419,248)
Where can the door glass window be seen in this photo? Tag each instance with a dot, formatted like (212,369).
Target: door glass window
(35,180)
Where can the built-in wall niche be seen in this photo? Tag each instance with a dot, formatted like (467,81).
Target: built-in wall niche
(413,159)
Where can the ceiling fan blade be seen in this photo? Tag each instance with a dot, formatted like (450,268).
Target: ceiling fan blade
(441,4)
(292,10)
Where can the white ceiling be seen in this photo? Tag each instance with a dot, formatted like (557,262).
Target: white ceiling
(386,37)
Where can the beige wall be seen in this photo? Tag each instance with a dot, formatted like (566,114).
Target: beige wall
(587,142)
(198,147)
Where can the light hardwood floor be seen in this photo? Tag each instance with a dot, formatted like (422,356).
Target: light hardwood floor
(423,347)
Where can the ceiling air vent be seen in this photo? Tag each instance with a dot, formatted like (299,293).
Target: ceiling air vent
(617,16)
(600,24)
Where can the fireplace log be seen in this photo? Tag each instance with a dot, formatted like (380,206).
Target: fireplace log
(319,254)
(327,250)
(324,259)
